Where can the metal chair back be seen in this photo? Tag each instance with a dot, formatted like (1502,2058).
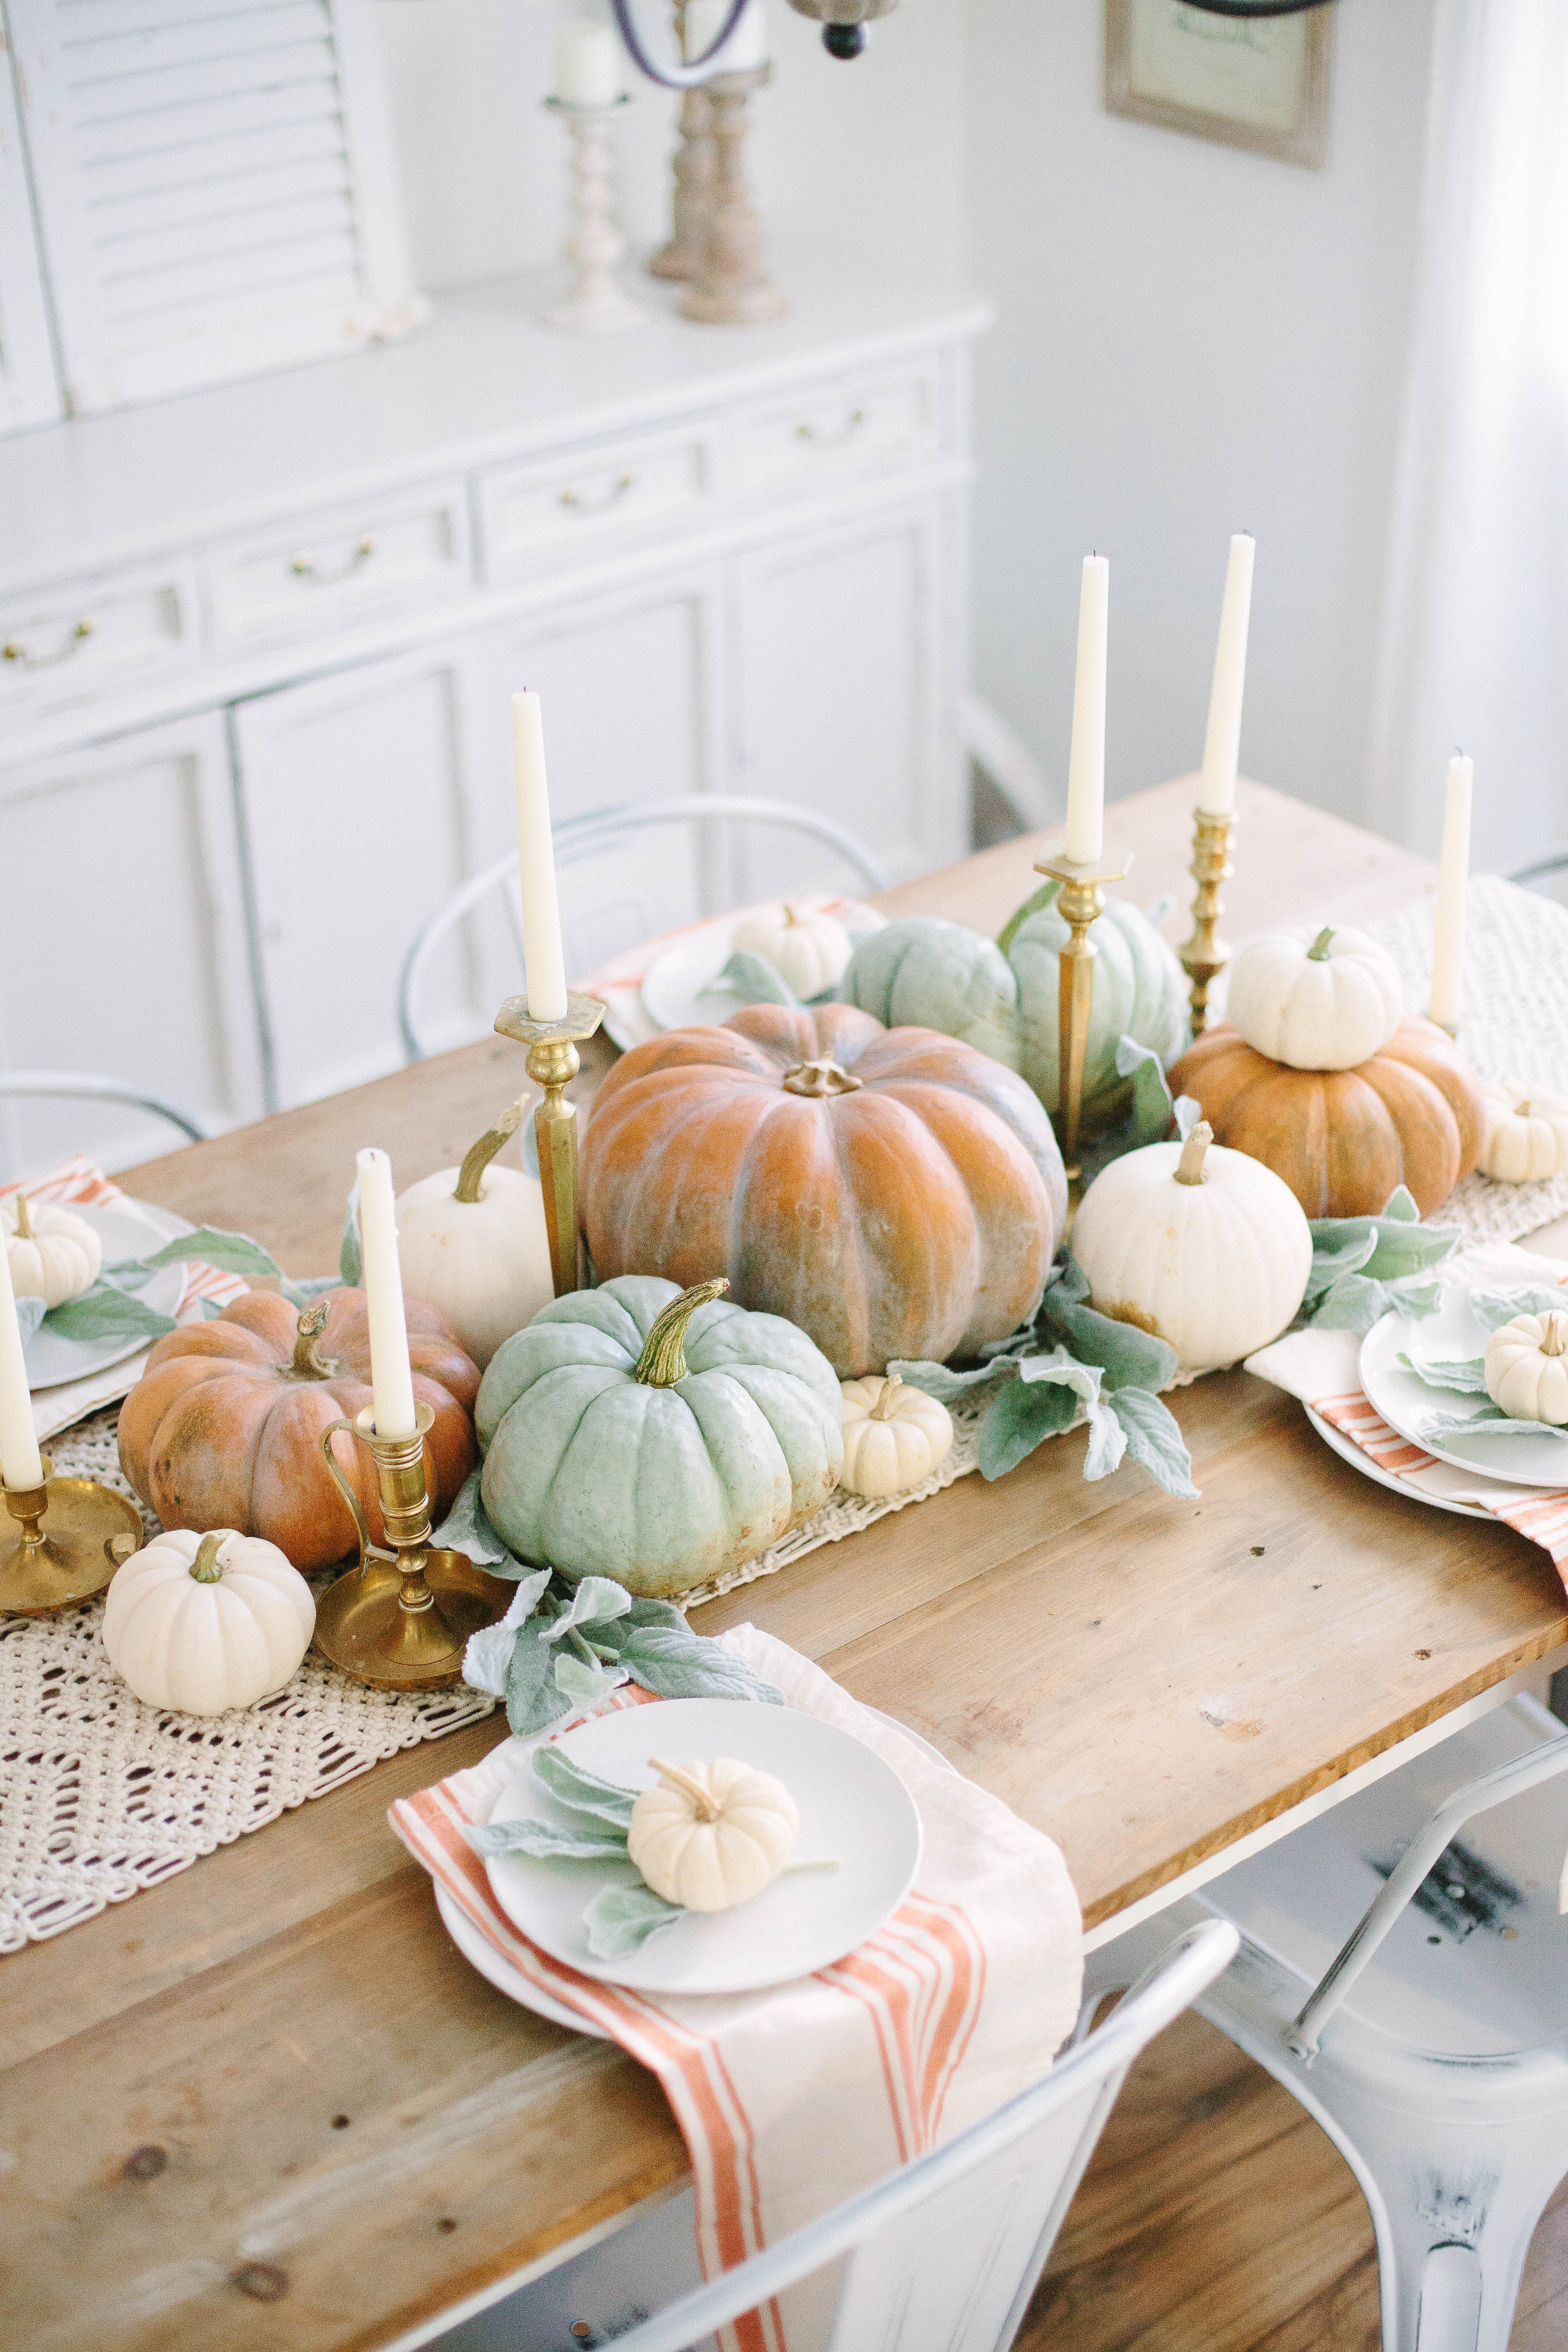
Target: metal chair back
(91,1085)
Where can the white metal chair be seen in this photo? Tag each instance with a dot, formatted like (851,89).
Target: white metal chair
(941,2257)
(90,1086)
(577,839)
(1433,2046)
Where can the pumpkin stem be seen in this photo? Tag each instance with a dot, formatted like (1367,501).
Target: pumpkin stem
(23,1222)
(663,1358)
(204,1566)
(1521,1110)
(478,1157)
(309,1364)
(1318,950)
(820,1078)
(791,917)
(1190,1166)
(1551,1328)
(707,1804)
(883,1408)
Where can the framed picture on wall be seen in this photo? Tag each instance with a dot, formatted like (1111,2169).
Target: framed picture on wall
(1260,82)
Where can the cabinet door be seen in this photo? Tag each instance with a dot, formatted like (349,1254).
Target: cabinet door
(29,389)
(850,652)
(126,942)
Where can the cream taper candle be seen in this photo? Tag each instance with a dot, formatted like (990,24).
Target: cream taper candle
(20,1465)
(1222,745)
(390,1378)
(543,963)
(1453,874)
(1086,766)
(589,64)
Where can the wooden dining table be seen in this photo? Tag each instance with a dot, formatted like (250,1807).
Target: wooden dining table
(266,2106)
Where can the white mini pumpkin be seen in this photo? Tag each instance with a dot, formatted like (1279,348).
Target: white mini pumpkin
(1320,999)
(52,1255)
(1526,1368)
(1526,1134)
(205,1623)
(1205,1248)
(808,949)
(473,1240)
(893,1436)
(712,1835)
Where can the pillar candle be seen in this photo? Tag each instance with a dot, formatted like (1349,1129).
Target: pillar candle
(544,964)
(390,1380)
(19,1463)
(1453,873)
(1086,766)
(747,47)
(588,65)
(1222,745)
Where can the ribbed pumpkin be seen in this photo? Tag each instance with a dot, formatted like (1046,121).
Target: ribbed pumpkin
(222,1428)
(1344,1139)
(891,1191)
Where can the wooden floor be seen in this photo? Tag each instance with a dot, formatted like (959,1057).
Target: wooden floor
(1217,2216)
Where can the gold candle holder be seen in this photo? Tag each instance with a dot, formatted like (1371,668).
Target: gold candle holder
(402,1619)
(70,1535)
(1205,955)
(553,1062)
(1079,903)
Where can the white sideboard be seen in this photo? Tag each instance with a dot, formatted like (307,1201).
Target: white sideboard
(258,642)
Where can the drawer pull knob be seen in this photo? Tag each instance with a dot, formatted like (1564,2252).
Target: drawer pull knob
(857,418)
(305,567)
(607,498)
(14,650)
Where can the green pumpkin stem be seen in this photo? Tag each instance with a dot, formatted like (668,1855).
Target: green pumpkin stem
(663,1358)
(1318,950)
(309,1364)
(478,1157)
(1046,896)
(204,1566)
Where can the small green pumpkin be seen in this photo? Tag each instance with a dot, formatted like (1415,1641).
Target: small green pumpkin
(1002,996)
(655,1435)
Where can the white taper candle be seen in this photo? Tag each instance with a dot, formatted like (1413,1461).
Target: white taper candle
(1222,745)
(590,64)
(390,1380)
(544,963)
(1453,874)
(20,1465)
(1086,767)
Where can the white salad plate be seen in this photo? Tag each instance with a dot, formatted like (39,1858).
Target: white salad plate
(1405,1401)
(854,1809)
(679,988)
(126,1231)
(1336,1440)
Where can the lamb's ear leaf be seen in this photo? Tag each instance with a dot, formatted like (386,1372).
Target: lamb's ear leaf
(351,1260)
(582,1791)
(547,1841)
(674,1663)
(1154,1440)
(533,1698)
(620,1919)
(1025,1414)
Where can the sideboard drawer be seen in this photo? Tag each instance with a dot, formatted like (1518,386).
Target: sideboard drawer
(61,645)
(595,498)
(828,432)
(346,565)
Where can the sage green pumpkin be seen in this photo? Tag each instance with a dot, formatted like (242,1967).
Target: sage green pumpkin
(1002,996)
(655,1435)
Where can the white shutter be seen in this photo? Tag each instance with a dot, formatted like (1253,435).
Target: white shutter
(213,186)
(29,389)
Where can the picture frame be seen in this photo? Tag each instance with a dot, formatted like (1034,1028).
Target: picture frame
(1261,83)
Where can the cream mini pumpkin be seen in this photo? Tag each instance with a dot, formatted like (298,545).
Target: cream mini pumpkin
(1205,1247)
(1322,998)
(1526,1368)
(472,1241)
(1526,1134)
(893,1436)
(805,947)
(203,1623)
(712,1835)
(52,1255)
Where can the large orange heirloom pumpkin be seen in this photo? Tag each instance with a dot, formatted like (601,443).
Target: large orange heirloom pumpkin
(1344,1139)
(891,1191)
(223,1429)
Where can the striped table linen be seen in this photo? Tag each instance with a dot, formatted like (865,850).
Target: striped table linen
(792,2099)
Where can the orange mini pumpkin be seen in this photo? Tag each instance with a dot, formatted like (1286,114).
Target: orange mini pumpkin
(223,1429)
(891,1191)
(1344,1139)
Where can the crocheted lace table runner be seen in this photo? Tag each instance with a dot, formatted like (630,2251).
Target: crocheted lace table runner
(102,1796)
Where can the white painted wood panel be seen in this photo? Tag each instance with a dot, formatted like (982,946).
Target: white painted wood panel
(76,638)
(29,387)
(576,504)
(350,563)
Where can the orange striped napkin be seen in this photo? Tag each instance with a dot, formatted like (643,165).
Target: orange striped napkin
(793,2099)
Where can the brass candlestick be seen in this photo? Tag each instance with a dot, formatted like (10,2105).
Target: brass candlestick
(71,1534)
(1079,902)
(553,1062)
(1205,955)
(402,1619)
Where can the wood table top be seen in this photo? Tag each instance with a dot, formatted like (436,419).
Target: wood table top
(267,2105)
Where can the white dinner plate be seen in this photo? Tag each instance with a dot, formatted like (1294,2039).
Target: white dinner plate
(126,1232)
(1405,1401)
(853,1807)
(679,988)
(1359,1460)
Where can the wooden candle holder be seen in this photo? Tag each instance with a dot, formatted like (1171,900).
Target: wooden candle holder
(735,288)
